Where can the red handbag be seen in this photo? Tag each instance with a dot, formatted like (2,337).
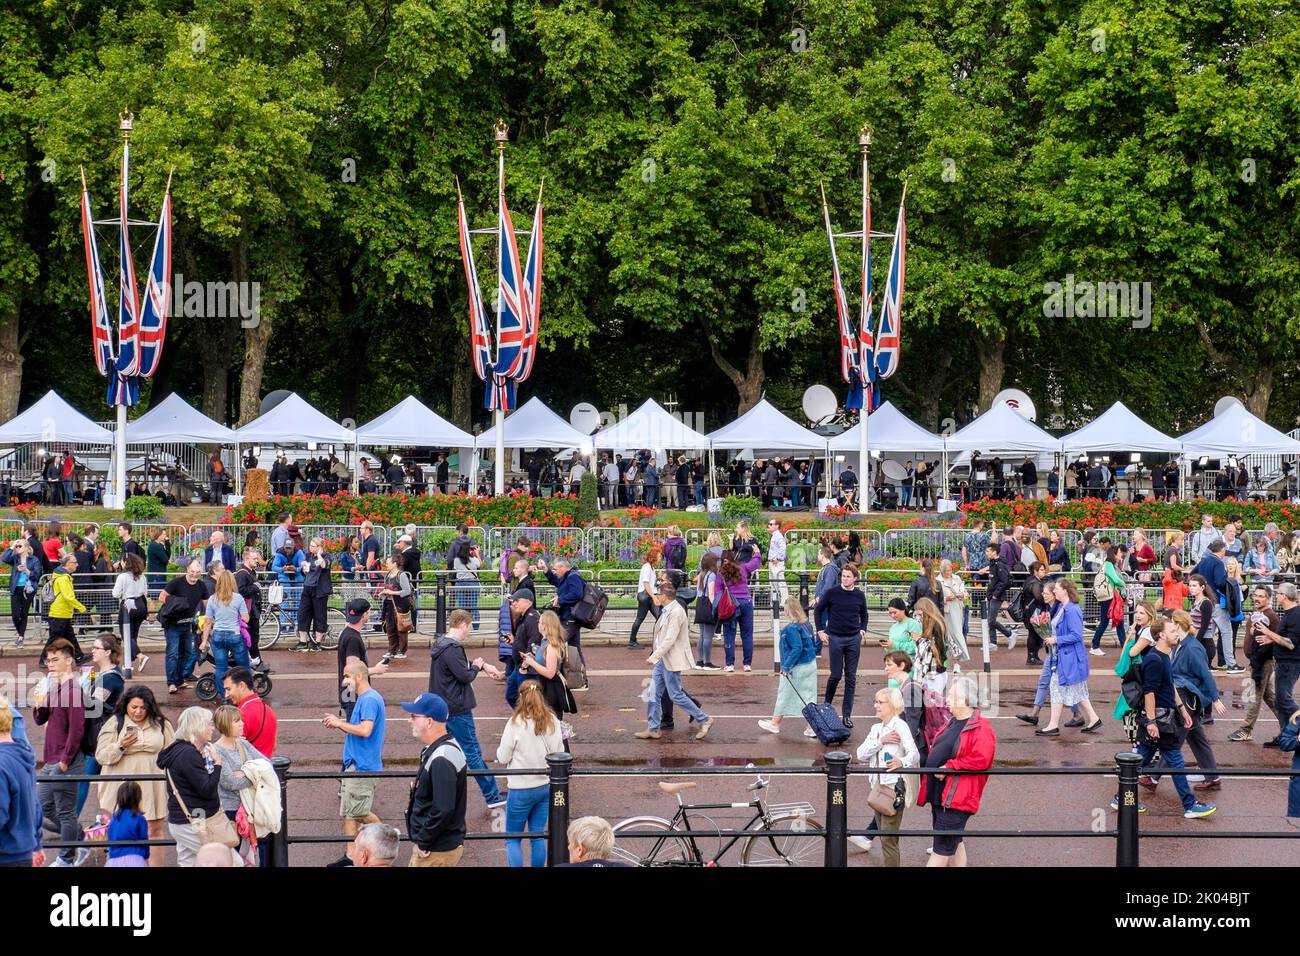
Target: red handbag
(726,606)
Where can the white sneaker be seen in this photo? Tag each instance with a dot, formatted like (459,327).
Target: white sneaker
(1011,641)
(83,854)
(728,669)
(770,727)
(810,733)
(862,843)
(748,668)
(1097,652)
(140,661)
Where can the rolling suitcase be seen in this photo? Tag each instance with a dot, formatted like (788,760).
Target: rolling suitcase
(823,720)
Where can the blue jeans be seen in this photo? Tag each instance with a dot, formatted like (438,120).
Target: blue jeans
(83,788)
(1285,675)
(67,491)
(1045,683)
(467,598)
(180,652)
(699,492)
(1103,622)
(671,681)
(462,728)
(744,616)
(526,812)
(1173,759)
(513,681)
(905,496)
(227,644)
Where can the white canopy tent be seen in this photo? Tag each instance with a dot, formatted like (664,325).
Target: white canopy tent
(1000,429)
(533,425)
(51,419)
(888,429)
(765,426)
(1118,429)
(1235,432)
(292,422)
(175,420)
(652,428)
(411,423)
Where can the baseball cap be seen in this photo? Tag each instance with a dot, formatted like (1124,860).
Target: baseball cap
(291,528)
(524,594)
(428,705)
(356,609)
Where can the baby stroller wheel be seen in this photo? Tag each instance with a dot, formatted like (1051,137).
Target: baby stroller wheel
(261,684)
(206,687)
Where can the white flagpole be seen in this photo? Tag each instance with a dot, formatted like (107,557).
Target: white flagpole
(119,443)
(864,454)
(499,416)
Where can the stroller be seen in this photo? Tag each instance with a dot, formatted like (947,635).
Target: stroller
(206,687)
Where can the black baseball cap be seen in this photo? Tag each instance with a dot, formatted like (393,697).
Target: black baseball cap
(356,610)
(523,594)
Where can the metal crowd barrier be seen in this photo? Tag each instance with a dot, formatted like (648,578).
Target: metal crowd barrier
(831,832)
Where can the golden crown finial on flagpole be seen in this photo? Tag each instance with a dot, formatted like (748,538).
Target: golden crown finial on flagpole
(864,137)
(126,122)
(502,133)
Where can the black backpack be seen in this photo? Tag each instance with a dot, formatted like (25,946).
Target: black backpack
(591,608)
(675,555)
(1019,604)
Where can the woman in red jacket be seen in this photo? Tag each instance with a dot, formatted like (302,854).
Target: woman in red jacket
(966,742)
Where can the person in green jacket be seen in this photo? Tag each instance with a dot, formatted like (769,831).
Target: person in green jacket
(65,605)
(904,631)
(1115,558)
(1145,619)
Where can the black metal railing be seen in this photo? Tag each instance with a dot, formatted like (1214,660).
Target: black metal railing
(837,771)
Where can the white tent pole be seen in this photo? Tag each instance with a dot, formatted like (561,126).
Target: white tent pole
(713,472)
(119,466)
(864,462)
(499,483)
(239,472)
(356,466)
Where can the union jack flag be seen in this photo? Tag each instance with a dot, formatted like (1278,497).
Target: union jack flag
(532,297)
(157,296)
(849,348)
(500,394)
(128,356)
(101,328)
(510,314)
(889,332)
(480,346)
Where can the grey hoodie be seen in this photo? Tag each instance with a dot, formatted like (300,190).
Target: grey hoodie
(451,676)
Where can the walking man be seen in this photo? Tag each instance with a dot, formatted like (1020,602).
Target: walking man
(363,748)
(671,656)
(776,564)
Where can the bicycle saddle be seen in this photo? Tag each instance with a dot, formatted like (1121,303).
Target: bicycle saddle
(675,787)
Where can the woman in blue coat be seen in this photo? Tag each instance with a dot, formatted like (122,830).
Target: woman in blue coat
(1289,739)
(1069,683)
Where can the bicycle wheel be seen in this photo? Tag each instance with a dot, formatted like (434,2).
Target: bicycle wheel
(652,851)
(334,624)
(788,839)
(261,684)
(269,628)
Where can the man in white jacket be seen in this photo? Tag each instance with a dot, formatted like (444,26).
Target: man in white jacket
(671,656)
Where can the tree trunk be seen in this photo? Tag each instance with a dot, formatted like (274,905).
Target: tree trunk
(749,384)
(1257,385)
(11,365)
(989,351)
(257,336)
(357,333)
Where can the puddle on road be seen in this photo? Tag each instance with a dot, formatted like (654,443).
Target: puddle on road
(694,762)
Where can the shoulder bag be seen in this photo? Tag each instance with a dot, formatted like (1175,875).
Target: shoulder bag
(215,829)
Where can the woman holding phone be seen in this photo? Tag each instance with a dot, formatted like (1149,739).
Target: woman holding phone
(128,744)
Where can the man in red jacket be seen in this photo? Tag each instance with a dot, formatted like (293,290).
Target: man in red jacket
(259,719)
(61,708)
(966,742)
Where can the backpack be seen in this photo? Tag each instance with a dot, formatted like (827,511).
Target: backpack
(47,591)
(591,608)
(1102,589)
(726,608)
(1016,609)
(675,554)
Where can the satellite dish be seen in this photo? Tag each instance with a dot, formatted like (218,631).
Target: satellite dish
(1018,400)
(819,403)
(585,417)
(273,399)
(1225,403)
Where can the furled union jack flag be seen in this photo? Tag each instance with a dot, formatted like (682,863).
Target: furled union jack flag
(480,346)
(157,293)
(889,332)
(849,346)
(101,328)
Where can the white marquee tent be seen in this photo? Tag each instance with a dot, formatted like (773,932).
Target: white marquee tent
(411,423)
(51,419)
(1118,429)
(1001,429)
(888,429)
(652,428)
(293,422)
(533,425)
(175,420)
(764,426)
(1237,432)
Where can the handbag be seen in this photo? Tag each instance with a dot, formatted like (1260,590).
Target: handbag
(885,800)
(217,829)
(275,593)
(402,621)
(726,608)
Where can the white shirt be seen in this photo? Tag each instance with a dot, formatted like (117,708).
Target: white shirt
(576,474)
(872,750)
(648,577)
(776,549)
(611,473)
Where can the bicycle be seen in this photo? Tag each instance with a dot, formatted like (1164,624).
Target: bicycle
(786,833)
(278,618)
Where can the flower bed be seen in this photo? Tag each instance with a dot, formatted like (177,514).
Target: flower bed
(1095,513)
(514,510)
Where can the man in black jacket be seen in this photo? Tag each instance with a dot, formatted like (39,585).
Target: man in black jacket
(841,617)
(998,585)
(435,814)
(527,632)
(451,677)
(248,588)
